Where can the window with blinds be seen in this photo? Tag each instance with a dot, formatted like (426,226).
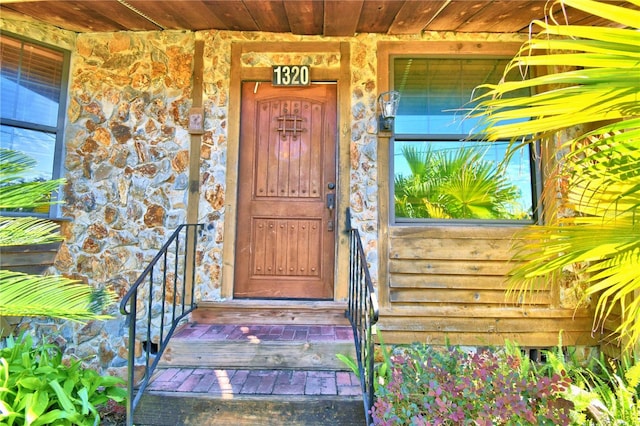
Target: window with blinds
(441,167)
(33,82)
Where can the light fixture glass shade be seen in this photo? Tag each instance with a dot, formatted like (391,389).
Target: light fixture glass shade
(388,107)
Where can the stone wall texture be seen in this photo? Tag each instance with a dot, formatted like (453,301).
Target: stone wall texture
(127,156)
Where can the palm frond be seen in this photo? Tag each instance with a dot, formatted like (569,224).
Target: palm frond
(15,231)
(28,194)
(599,177)
(52,296)
(13,164)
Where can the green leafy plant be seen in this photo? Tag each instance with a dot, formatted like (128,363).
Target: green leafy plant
(616,390)
(427,386)
(351,363)
(38,387)
(604,391)
(590,98)
(36,295)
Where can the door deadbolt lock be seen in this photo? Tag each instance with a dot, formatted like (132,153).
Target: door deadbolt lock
(331,204)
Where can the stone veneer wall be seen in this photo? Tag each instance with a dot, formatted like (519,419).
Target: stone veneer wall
(127,156)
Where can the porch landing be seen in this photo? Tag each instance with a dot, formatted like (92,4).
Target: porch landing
(279,370)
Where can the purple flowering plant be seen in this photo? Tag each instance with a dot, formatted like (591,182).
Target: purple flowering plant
(420,385)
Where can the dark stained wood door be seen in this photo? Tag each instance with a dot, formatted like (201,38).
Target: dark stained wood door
(287,176)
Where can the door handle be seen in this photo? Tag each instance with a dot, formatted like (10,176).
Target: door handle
(331,205)
(331,201)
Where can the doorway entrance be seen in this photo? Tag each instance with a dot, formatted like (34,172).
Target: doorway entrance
(286,222)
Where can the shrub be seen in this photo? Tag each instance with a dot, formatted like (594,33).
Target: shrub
(424,386)
(604,391)
(38,387)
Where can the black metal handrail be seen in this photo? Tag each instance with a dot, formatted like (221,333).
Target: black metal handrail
(169,277)
(362,312)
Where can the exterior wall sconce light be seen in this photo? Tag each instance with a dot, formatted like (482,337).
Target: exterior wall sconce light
(388,106)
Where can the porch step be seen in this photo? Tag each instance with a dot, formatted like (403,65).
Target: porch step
(276,312)
(256,363)
(259,346)
(207,396)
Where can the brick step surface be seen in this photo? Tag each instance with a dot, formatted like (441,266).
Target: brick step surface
(208,396)
(259,346)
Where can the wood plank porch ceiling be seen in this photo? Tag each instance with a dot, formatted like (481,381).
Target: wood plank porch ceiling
(308,17)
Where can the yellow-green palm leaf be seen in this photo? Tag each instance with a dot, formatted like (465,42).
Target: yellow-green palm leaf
(37,295)
(52,296)
(597,85)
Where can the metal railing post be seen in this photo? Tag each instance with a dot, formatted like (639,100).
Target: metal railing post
(129,304)
(362,311)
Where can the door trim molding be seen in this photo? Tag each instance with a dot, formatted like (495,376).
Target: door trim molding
(239,73)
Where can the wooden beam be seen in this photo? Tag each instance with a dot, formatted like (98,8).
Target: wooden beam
(339,17)
(233,156)
(344,172)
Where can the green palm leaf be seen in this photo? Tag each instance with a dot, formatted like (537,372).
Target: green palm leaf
(598,85)
(27,230)
(54,296)
(37,295)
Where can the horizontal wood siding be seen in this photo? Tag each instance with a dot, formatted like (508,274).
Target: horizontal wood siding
(453,266)
(612,344)
(31,259)
(448,284)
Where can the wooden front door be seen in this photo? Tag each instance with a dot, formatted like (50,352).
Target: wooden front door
(287,183)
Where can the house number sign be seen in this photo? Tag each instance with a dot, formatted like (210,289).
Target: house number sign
(290,75)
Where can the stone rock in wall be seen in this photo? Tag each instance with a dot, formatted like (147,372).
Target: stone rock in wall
(119,156)
(117,259)
(88,147)
(147,170)
(102,136)
(151,240)
(97,230)
(180,161)
(94,112)
(121,133)
(122,186)
(205,148)
(136,108)
(73,110)
(369,148)
(215,197)
(141,151)
(105,354)
(357,203)
(165,174)
(63,259)
(175,219)
(359,111)
(181,182)
(102,172)
(154,216)
(135,210)
(122,112)
(89,331)
(179,67)
(73,161)
(123,237)
(110,214)
(219,232)
(354,156)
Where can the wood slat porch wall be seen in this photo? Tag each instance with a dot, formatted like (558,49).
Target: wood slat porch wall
(448,284)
